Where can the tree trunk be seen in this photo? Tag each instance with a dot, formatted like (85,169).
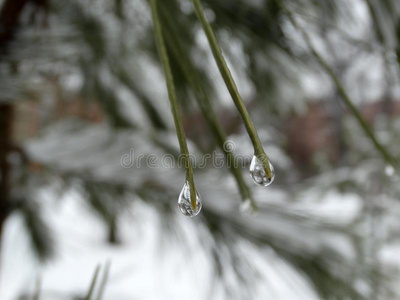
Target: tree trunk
(9,16)
(6,117)
(10,13)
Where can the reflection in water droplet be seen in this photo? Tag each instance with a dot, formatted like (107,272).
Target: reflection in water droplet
(257,172)
(389,171)
(184,202)
(247,208)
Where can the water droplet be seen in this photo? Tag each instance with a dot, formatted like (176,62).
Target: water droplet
(247,208)
(389,171)
(185,204)
(257,172)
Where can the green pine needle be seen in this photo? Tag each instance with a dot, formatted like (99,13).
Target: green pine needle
(93,283)
(162,51)
(104,280)
(204,102)
(231,85)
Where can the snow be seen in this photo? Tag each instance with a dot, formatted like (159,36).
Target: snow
(145,266)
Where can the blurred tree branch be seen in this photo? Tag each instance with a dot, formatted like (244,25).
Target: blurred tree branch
(6,118)
(9,16)
(342,91)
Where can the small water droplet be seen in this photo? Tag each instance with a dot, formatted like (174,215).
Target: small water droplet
(185,204)
(389,171)
(247,208)
(257,172)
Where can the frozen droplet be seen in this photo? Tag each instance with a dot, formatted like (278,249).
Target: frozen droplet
(258,174)
(389,171)
(185,204)
(247,208)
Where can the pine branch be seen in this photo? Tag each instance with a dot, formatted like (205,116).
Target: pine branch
(342,91)
(204,102)
(327,282)
(312,262)
(162,50)
(380,35)
(231,85)
(111,105)
(126,79)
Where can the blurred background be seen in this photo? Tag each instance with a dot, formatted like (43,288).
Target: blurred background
(82,96)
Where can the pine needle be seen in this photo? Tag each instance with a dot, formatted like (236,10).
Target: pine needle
(93,283)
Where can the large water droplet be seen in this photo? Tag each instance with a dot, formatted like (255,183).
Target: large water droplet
(258,174)
(185,204)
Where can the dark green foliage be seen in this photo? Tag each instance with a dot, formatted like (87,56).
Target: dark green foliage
(110,104)
(39,232)
(315,266)
(123,75)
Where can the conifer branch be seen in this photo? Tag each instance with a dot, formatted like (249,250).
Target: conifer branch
(162,51)
(232,88)
(206,107)
(342,91)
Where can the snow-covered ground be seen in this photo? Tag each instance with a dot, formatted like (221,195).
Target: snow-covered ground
(145,266)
